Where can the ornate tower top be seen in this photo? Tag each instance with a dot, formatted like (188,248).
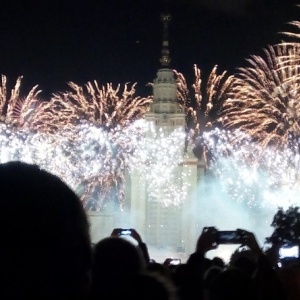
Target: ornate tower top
(165,112)
(165,58)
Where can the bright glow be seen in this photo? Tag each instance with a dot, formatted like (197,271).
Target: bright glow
(159,158)
(96,160)
(292,251)
(251,174)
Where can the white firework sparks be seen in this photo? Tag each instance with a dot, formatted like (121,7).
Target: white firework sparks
(159,157)
(89,163)
(272,178)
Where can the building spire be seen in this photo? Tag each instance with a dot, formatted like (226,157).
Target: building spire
(165,52)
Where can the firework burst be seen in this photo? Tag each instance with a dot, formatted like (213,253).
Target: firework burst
(256,155)
(159,159)
(263,99)
(271,181)
(204,100)
(14,110)
(83,136)
(76,114)
(201,106)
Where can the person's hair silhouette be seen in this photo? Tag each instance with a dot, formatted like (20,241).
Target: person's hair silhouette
(44,232)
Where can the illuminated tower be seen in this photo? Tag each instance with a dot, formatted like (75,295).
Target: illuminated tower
(171,229)
(166,227)
(165,111)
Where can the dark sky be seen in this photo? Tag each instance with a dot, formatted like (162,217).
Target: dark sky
(51,42)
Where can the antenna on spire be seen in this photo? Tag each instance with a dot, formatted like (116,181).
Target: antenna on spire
(165,58)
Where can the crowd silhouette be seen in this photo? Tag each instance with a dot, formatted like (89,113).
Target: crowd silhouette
(46,253)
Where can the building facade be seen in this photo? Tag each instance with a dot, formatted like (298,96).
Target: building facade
(167,229)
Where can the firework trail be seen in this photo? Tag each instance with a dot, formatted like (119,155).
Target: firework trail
(296,26)
(14,110)
(100,106)
(201,106)
(75,114)
(18,138)
(270,181)
(91,164)
(263,100)
(103,106)
(256,154)
(202,103)
(83,136)
(159,159)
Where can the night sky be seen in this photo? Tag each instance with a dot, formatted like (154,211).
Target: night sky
(51,42)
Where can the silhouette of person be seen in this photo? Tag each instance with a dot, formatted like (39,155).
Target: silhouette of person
(45,250)
(117,262)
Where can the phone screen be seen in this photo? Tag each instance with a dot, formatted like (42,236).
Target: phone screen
(125,232)
(289,251)
(175,261)
(229,237)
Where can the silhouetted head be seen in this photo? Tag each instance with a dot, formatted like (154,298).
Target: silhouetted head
(116,265)
(154,286)
(244,260)
(210,274)
(45,242)
(118,254)
(232,284)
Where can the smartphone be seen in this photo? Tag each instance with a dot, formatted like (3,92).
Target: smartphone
(291,251)
(229,237)
(125,232)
